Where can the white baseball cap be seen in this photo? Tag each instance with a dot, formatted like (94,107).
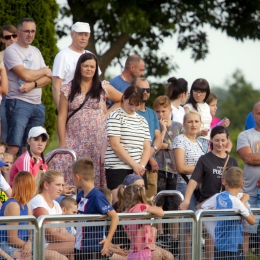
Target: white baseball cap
(37,131)
(81,27)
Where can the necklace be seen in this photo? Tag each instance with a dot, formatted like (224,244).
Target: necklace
(84,91)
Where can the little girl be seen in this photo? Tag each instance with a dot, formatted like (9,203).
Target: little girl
(33,159)
(212,101)
(142,236)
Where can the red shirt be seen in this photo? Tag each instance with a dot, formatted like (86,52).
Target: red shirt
(26,163)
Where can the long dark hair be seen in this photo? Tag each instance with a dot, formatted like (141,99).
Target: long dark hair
(176,87)
(96,88)
(198,84)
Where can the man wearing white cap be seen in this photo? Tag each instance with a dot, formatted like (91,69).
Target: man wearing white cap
(66,60)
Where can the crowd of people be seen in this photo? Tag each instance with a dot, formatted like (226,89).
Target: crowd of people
(178,145)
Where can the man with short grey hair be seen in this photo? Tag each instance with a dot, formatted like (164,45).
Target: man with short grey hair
(66,60)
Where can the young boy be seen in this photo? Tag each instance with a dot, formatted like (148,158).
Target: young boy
(69,206)
(8,159)
(228,233)
(167,174)
(89,239)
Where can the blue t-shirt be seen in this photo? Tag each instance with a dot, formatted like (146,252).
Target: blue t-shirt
(23,233)
(153,123)
(119,84)
(88,238)
(228,233)
(250,122)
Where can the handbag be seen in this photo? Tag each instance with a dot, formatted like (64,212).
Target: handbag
(221,188)
(81,105)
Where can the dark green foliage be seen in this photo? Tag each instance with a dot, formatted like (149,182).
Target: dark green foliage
(44,13)
(125,27)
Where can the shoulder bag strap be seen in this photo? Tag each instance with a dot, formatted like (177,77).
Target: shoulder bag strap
(184,177)
(81,105)
(224,168)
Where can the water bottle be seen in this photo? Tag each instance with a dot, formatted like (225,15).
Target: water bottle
(27,64)
(258,197)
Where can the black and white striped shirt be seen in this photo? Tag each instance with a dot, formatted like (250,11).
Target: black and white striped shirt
(133,131)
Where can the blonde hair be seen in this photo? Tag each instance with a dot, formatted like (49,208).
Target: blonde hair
(163,101)
(68,202)
(234,177)
(191,113)
(129,196)
(48,176)
(85,168)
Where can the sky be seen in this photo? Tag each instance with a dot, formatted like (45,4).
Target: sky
(225,56)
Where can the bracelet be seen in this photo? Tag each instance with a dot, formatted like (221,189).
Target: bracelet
(35,84)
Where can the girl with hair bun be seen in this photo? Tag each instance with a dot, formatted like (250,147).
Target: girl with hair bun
(177,91)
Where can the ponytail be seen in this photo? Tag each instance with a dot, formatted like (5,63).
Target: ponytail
(176,88)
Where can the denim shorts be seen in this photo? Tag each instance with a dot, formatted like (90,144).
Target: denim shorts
(5,246)
(21,117)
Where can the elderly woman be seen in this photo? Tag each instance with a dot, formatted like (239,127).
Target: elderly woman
(81,118)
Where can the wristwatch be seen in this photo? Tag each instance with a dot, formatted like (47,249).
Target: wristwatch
(155,148)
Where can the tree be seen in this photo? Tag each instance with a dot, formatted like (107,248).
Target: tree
(140,26)
(239,100)
(44,13)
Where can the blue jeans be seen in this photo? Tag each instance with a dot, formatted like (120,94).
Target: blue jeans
(21,117)
(193,201)
(251,229)
(4,127)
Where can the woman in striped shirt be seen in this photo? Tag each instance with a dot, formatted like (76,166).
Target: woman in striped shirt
(128,150)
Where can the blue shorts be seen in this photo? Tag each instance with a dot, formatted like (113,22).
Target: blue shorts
(21,117)
(5,246)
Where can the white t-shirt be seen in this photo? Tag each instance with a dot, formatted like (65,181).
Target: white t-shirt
(65,64)
(206,118)
(133,131)
(177,114)
(192,150)
(39,202)
(3,183)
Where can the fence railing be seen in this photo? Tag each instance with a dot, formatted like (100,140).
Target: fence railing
(191,228)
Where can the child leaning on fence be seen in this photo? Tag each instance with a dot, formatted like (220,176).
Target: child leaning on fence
(90,242)
(142,236)
(228,233)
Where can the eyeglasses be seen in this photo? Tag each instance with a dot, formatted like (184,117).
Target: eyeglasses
(8,37)
(28,31)
(197,92)
(148,90)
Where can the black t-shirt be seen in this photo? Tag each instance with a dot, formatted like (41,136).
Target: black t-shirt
(208,171)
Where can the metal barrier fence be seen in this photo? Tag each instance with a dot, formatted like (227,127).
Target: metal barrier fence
(49,234)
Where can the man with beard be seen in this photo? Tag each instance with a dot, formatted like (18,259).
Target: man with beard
(151,117)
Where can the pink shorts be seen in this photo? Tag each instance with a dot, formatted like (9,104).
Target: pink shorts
(145,254)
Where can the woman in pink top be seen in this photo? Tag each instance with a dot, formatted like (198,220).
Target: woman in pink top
(33,159)
(142,236)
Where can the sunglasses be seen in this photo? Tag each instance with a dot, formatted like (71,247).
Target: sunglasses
(8,37)
(148,90)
